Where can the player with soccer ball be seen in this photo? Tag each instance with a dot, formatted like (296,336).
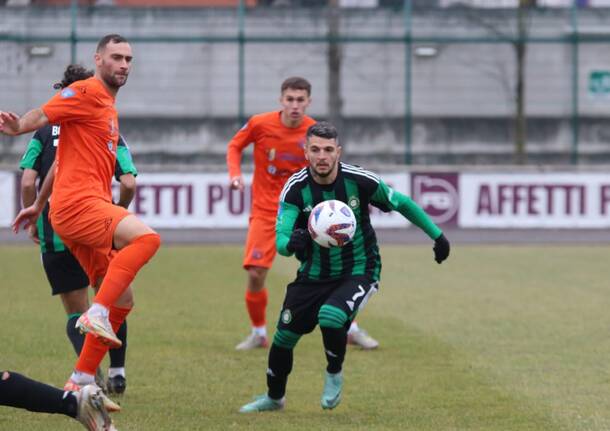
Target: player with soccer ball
(340,267)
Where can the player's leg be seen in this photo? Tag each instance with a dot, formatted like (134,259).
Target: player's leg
(256,303)
(334,319)
(70,282)
(298,317)
(21,392)
(258,258)
(357,336)
(94,349)
(136,244)
(117,381)
(89,406)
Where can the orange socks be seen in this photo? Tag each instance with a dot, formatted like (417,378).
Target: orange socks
(93,350)
(124,267)
(256,302)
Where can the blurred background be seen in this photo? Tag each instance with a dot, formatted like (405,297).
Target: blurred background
(451,85)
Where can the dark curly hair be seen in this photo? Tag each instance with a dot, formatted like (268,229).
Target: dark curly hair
(73,73)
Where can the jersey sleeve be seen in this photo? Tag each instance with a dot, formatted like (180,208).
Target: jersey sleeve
(388,199)
(124,162)
(73,103)
(241,140)
(288,212)
(33,154)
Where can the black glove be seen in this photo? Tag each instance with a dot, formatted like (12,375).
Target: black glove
(299,243)
(441,249)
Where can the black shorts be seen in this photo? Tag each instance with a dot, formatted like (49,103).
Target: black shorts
(63,272)
(304,299)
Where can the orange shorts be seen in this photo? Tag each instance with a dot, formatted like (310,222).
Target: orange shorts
(87,230)
(260,243)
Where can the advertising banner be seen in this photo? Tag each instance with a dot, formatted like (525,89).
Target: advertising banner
(175,200)
(549,200)
(7,198)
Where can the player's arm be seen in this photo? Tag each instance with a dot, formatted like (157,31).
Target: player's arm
(28,187)
(236,146)
(30,164)
(28,196)
(125,173)
(286,218)
(386,198)
(12,124)
(127,190)
(29,215)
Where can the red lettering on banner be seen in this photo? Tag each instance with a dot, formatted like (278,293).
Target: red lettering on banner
(237,202)
(604,198)
(532,199)
(484,205)
(240,201)
(215,194)
(144,192)
(513,199)
(139,200)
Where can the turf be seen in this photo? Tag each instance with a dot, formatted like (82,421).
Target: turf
(496,338)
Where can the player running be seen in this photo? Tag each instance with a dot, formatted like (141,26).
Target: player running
(279,139)
(332,284)
(109,242)
(65,275)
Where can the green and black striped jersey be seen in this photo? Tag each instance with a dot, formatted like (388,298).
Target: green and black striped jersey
(40,155)
(358,188)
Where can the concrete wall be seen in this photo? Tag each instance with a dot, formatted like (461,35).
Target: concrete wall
(182,98)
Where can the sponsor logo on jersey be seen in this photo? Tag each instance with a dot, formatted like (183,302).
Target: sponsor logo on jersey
(67,92)
(112,127)
(271,154)
(286,316)
(110,146)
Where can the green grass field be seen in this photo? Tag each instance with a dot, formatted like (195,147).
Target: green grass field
(496,338)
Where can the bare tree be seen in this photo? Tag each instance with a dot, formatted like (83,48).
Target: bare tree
(518,92)
(335,57)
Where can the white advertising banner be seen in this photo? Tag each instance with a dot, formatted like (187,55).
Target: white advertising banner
(175,200)
(7,198)
(549,200)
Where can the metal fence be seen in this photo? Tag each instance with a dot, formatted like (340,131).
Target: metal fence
(408,82)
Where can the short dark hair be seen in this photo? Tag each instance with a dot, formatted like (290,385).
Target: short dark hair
(322,129)
(73,73)
(114,38)
(296,83)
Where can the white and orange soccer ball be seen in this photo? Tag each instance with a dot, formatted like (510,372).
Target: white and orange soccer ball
(332,224)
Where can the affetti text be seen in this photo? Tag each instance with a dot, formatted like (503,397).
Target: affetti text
(542,199)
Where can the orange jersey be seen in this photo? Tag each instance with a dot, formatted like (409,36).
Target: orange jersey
(86,155)
(278,153)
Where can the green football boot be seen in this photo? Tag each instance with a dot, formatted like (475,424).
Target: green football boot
(331,395)
(263,403)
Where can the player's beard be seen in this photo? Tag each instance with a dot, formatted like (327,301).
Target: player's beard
(331,169)
(113,81)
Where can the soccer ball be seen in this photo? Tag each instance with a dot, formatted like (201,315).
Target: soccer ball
(332,224)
